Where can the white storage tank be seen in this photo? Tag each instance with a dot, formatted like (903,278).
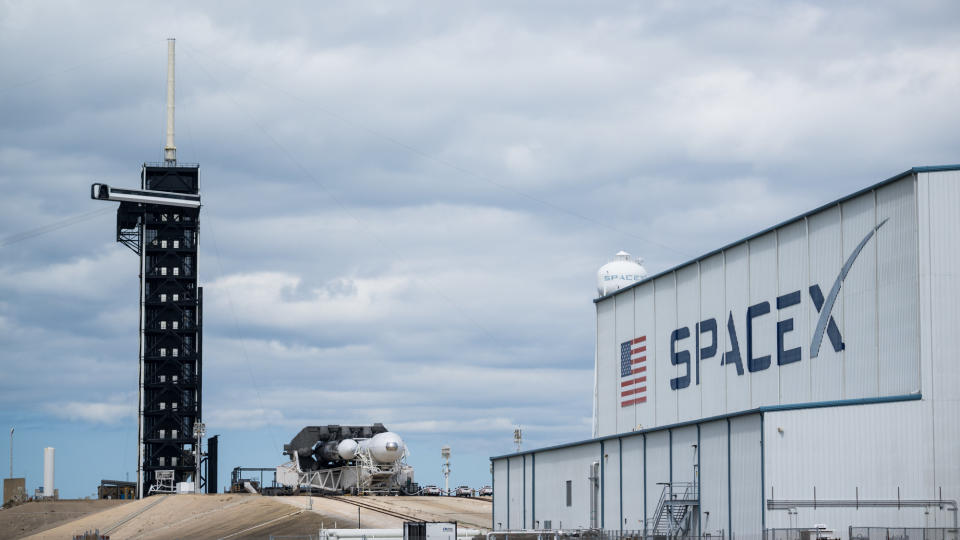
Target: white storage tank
(48,471)
(619,273)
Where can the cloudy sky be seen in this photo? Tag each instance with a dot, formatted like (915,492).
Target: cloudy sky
(405,203)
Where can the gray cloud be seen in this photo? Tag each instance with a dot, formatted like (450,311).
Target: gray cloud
(405,203)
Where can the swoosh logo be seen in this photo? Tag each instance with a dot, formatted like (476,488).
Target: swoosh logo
(835,291)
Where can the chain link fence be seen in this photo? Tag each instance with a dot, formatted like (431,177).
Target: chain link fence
(799,534)
(903,533)
(592,534)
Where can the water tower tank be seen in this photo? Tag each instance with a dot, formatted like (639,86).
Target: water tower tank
(621,272)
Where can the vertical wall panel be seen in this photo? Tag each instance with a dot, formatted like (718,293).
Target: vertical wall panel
(825,261)
(554,469)
(688,315)
(645,326)
(658,468)
(684,453)
(860,375)
(528,492)
(713,478)
(764,383)
(608,365)
(626,416)
(877,461)
(897,290)
(665,292)
(633,482)
(746,504)
(516,492)
(712,373)
(500,494)
(944,320)
(737,270)
(611,484)
(792,273)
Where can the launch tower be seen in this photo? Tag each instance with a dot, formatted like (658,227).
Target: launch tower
(160,223)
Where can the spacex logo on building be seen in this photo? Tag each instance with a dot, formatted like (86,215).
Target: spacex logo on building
(705,332)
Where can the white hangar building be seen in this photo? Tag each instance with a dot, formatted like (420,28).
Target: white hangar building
(808,374)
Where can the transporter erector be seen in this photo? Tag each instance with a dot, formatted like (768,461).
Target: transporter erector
(347,459)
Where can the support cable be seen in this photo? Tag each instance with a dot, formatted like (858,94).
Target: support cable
(56,225)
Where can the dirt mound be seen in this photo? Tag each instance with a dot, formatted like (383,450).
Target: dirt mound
(169,517)
(242,516)
(33,517)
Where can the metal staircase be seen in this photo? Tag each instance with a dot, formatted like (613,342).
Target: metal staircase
(675,511)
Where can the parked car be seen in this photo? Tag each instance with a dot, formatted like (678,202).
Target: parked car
(464,491)
(485,491)
(430,490)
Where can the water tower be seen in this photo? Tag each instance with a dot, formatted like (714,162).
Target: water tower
(621,272)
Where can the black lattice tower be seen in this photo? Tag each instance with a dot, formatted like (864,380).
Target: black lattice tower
(171,333)
(171,322)
(160,223)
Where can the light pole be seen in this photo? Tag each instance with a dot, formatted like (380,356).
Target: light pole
(11,452)
(199,430)
(445,469)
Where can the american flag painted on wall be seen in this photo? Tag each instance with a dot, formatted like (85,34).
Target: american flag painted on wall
(633,371)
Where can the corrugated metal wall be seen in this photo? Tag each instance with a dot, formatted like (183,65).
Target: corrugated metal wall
(897,314)
(644,325)
(939,241)
(713,477)
(665,320)
(767,293)
(528,464)
(701,453)
(761,342)
(825,252)
(633,483)
(627,416)
(713,396)
(611,484)
(737,297)
(500,490)
(688,309)
(793,274)
(554,468)
(876,451)
(607,369)
(658,468)
(746,486)
(515,518)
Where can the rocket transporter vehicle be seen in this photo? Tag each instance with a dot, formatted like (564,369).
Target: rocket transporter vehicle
(347,459)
